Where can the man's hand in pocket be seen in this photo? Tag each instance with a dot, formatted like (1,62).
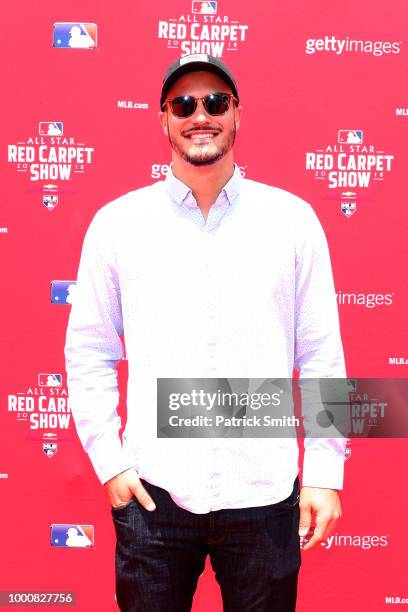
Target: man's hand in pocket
(123,486)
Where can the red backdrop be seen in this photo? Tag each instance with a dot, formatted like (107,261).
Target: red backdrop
(325,98)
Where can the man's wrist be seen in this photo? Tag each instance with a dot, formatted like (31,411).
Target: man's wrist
(118,474)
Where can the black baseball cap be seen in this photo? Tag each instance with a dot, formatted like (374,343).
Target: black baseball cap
(193,63)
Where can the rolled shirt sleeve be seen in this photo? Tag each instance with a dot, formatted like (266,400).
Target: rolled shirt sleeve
(92,350)
(318,346)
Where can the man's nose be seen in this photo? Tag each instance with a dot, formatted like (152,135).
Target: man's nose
(200,115)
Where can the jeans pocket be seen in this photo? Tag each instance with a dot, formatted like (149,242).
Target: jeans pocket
(293,500)
(117,509)
(282,526)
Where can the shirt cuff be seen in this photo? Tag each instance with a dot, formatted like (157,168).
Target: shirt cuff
(109,458)
(322,469)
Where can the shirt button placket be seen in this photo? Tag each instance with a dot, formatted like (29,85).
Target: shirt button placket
(211,338)
(212,368)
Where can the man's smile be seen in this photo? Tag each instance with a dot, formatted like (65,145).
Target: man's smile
(203,136)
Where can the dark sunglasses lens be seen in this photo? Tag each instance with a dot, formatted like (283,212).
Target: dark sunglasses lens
(216,104)
(183,106)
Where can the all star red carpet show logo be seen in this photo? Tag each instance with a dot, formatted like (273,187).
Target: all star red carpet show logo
(203,30)
(50,155)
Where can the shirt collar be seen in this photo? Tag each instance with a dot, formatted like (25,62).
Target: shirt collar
(179,192)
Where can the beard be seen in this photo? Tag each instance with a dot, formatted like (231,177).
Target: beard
(204,155)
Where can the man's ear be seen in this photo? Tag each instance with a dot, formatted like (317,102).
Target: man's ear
(238,114)
(163,121)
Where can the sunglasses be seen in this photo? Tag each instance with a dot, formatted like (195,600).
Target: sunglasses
(214,104)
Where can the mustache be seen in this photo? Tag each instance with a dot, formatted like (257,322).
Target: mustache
(203,129)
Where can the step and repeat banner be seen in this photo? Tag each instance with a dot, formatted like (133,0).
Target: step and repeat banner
(325,98)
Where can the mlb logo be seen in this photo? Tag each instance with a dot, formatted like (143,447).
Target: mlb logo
(347,453)
(49,449)
(348,208)
(62,291)
(50,128)
(204,8)
(50,201)
(75,35)
(72,536)
(50,380)
(350,136)
(352,383)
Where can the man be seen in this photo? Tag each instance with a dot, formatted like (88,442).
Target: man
(207,275)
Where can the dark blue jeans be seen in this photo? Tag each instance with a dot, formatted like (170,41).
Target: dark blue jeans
(254,552)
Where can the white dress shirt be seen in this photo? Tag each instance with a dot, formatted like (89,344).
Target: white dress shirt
(248,292)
